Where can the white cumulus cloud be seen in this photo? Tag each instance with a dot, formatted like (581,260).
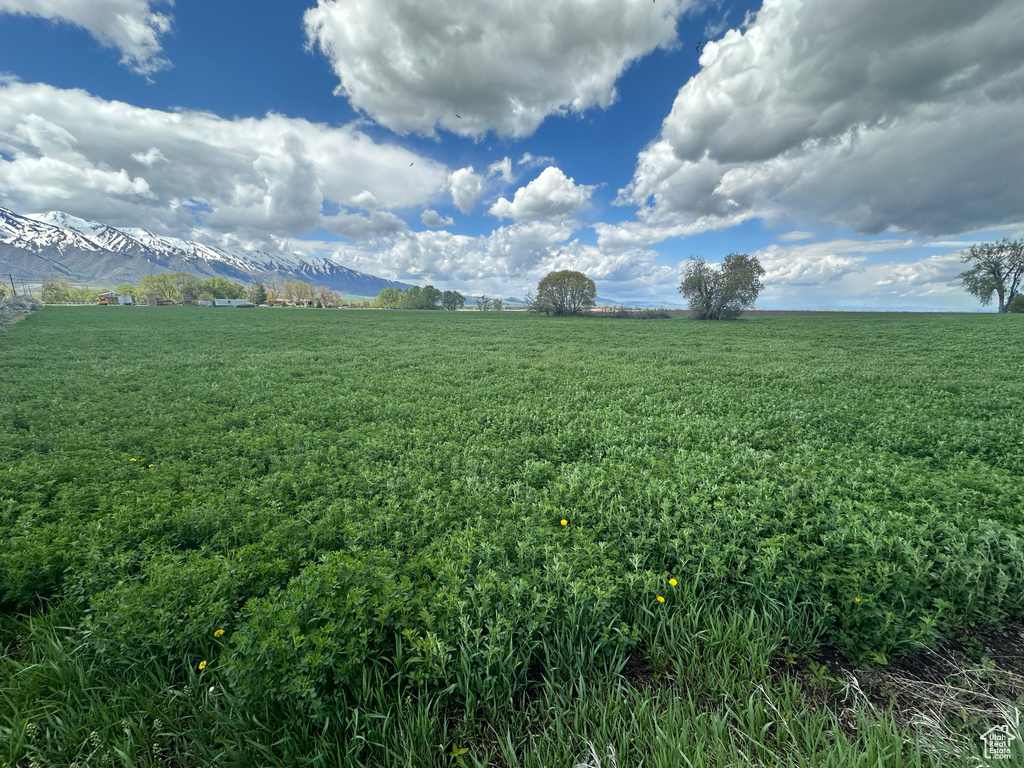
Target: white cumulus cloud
(130,26)
(472,66)
(433,219)
(501,168)
(859,113)
(465,186)
(551,195)
(129,166)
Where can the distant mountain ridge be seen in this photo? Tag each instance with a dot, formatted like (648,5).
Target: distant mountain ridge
(56,245)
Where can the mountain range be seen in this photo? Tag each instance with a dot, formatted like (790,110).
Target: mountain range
(57,245)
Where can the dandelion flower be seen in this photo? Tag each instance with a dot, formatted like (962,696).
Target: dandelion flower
(132,459)
(202,665)
(564,521)
(672,582)
(218,633)
(151,466)
(856,599)
(661,599)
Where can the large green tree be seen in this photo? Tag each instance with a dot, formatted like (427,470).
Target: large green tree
(56,291)
(566,293)
(452,300)
(221,288)
(162,285)
(127,289)
(430,298)
(996,269)
(722,294)
(411,298)
(389,297)
(186,284)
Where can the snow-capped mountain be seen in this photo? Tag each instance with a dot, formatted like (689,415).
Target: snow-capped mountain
(35,236)
(56,244)
(103,235)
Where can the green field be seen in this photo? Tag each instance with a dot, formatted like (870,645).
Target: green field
(371,506)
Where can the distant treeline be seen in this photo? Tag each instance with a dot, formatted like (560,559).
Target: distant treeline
(428,297)
(174,286)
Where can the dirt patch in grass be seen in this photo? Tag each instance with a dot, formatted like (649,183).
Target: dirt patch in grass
(971,681)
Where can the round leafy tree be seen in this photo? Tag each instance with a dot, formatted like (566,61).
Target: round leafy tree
(566,293)
(721,294)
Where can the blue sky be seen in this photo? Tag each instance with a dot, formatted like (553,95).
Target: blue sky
(854,147)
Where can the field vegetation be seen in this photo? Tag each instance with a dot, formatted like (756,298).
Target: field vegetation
(463,539)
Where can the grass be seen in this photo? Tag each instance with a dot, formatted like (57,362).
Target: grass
(370,504)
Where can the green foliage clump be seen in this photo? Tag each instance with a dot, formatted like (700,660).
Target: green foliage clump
(723,293)
(452,300)
(63,292)
(566,292)
(416,297)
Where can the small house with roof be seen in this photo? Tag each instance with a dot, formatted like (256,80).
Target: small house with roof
(113,299)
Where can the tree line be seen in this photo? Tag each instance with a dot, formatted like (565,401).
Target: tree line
(427,297)
(175,286)
(713,294)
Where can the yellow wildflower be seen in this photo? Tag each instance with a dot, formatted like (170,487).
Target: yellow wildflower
(564,521)
(856,599)
(218,633)
(131,459)
(202,665)
(661,599)
(151,466)
(672,582)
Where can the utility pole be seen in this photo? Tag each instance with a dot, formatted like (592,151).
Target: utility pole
(12,283)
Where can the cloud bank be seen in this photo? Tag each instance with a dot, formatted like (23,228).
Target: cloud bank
(855,114)
(256,176)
